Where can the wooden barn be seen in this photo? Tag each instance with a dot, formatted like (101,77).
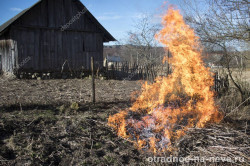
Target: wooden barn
(49,35)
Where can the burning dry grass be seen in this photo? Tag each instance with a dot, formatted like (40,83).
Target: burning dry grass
(165,109)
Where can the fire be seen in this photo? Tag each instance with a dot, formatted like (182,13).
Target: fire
(166,108)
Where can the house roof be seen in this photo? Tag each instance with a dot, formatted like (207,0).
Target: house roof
(5,26)
(107,36)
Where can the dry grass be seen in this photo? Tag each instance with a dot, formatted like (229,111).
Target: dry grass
(215,141)
(56,92)
(246,75)
(51,122)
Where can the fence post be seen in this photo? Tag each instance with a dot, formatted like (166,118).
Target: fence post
(93,79)
(216,82)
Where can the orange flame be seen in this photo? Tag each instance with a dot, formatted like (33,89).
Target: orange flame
(171,105)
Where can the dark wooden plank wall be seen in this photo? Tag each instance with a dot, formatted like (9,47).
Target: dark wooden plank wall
(38,35)
(49,49)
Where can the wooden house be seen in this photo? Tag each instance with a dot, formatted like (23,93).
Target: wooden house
(50,34)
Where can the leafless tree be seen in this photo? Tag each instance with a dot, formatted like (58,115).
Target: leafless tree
(222,25)
(141,44)
(144,50)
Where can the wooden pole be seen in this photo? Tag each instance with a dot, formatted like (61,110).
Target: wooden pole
(107,68)
(93,79)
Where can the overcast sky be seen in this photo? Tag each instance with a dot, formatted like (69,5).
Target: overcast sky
(117,16)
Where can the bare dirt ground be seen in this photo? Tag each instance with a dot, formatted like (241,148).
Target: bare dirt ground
(50,92)
(41,124)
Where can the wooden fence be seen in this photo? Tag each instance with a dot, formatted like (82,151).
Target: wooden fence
(134,71)
(131,71)
(221,83)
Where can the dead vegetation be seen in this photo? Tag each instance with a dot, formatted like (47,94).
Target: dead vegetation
(215,142)
(56,92)
(52,122)
(63,136)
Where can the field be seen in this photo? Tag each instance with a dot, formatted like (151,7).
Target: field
(38,125)
(247,75)
(53,122)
